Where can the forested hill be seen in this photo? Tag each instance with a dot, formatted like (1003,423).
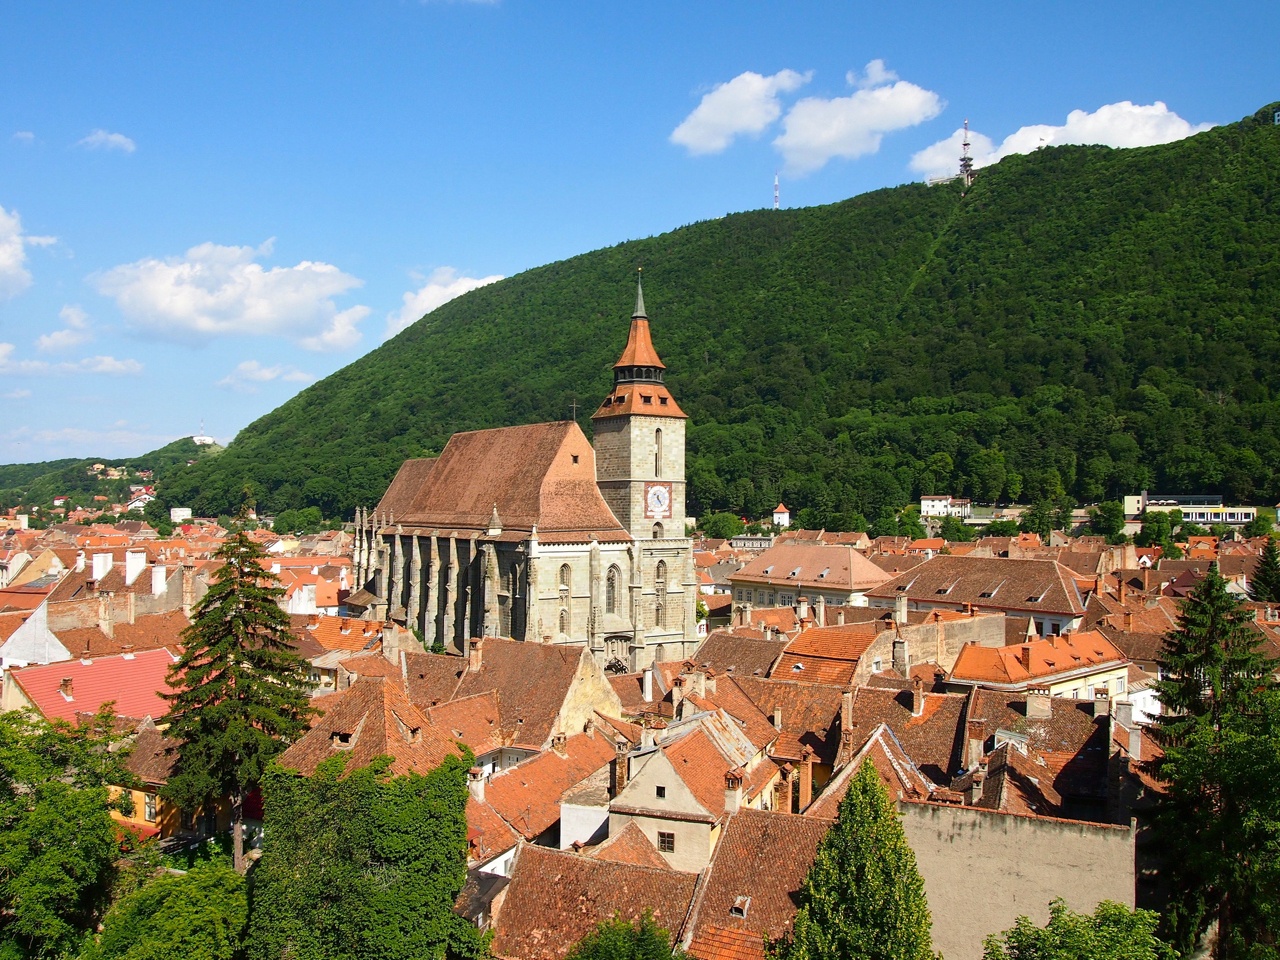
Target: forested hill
(1084,323)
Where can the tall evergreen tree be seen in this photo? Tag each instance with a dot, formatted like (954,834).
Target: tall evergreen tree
(240,689)
(863,898)
(1219,818)
(1265,585)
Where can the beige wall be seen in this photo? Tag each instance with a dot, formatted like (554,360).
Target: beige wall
(693,839)
(589,692)
(982,870)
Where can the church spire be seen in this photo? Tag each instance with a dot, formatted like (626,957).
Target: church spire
(640,299)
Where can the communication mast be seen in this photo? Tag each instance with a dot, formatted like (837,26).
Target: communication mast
(775,189)
(966,161)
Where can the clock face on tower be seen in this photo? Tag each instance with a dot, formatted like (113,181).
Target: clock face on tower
(657,501)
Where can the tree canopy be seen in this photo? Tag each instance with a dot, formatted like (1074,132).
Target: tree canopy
(361,865)
(616,939)
(1111,932)
(863,898)
(1218,819)
(240,689)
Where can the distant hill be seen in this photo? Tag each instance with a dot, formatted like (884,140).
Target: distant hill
(39,483)
(1084,323)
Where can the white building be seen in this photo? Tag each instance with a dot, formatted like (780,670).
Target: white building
(946,506)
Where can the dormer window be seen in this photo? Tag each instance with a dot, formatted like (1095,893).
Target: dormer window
(341,741)
(740,907)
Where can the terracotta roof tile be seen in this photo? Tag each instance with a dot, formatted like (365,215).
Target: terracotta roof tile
(1035,661)
(827,654)
(811,566)
(369,719)
(727,652)
(152,756)
(759,867)
(528,795)
(150,632)
(990,583)
(810,714)
(630,846)
(136,683)
(541,474)
(556,898)
(933,740)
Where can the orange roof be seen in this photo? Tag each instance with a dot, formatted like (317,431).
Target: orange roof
(1037,660)
(528,795)
(826,654)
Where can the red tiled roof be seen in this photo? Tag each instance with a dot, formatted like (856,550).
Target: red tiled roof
(763,857)
(1036,660)
(150,632)
(556,898)
(811,565)
(631,846)
(528,795)
(372,718)
(135,682)
(541,474)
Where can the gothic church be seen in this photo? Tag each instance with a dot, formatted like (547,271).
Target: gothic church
(530,533)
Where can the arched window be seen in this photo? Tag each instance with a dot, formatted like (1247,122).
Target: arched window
(657,531)
(659,615)
(611,591)
(564,621)
(657,453)
(565,577)
(660,574)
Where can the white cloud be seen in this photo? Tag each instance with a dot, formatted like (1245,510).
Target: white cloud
(877,75)
(248,374)
(817,130)
(1123,124)
(442,286)
(14,275)
(105,140)
(9,365)
(215,290)
(746,104)
(74,333)
(16,395)
(24,136)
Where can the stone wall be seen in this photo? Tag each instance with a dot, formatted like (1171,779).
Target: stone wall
(982,870)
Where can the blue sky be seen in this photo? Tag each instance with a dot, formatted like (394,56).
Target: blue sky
(204,207)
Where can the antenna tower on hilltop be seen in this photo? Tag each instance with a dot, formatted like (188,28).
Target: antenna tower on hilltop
(966,161)
(775,189)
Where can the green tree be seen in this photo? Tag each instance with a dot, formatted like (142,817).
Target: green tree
(1264,585)
(362,864)
(955,530)
(1219,818)
(198,916)
(240,689)
(58,843)
(1038,518)
(1112,932)
(1259,526)
(863,897)
(1107,519)
(617,939)
(1000,528)
(721,526)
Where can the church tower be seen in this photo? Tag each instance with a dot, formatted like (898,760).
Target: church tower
(639,440)
(639,447)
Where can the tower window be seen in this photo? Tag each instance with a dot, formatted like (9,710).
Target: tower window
(657,531)
(657,453)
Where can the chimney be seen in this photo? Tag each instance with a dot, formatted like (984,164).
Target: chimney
(475,784)
(1124,713)
(1128,621)
(975,784)
(620,750)
(806,778)
(820,610)
(975,743)
(777,718)
(135,561)
(473,656)
(733,790)
(159,576)
(101,565)
(558,741)
(106,614)
(917,696)
(900,609)
(846,713)
(901,657)
(646,684)
(126,651)
(64,688)
(1038,706)
(804,609)
(646,738)
(79,561)
(699,684)
(1135,743)
(840,616)
(1123,586)
(677,691)
(709,681)
(1101,703)
(1024,656)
